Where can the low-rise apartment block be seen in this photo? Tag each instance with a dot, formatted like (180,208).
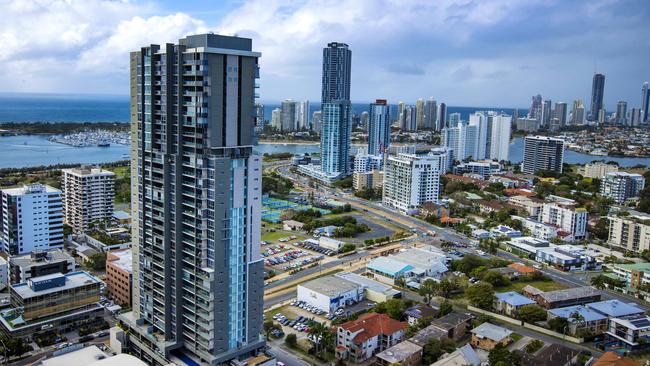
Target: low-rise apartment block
(358,340)
(621,186)
(563,213)
(87,196)
(562,298)
(596,169)
(119,276)
(404,353)
(631,232)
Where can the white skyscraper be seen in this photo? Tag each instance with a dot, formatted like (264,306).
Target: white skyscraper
(276,118)
(87,196)
(411,180)
(303,115)
(500,136)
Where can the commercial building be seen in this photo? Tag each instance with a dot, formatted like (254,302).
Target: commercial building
(582,320)
(59,302)
(508,303)
(597,169)
(542,153)
(196,191)
(562,298)
(563,213)
(411,180)
(373,290)
(567,258)
(31,218)
(597,93)
(404,353)
(360,339)
(39,263)
(630,232)
(379,127)
(411,265)
(88,195)
(91,355)
(487,336)
(621,186)
(119,276)
(484,168)
(330,293)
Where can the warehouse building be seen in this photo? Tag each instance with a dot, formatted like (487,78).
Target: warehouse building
(330,293)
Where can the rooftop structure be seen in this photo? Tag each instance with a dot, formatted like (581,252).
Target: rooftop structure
(399,353)
(585,312)
(491,331)
(463,356)
(513,298)
(330,285)
(615,308)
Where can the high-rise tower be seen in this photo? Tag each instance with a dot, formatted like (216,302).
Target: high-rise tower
(336,122)
(597,92)
(196,198)
(378,127)
(645,102)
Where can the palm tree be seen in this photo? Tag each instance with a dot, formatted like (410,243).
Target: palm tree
(599,281)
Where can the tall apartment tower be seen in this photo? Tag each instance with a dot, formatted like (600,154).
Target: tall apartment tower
(597,93)
(560,112)
(288,115)
(31,218)
(578,112)
(378,127)
(442,120)
(621,112)
(430,114)
(419,114)
(620,186)
(197,269)
(645,102)
(411,180)
(336,118)
(542,153)
(87,196)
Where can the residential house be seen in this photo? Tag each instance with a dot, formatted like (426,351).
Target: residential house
(582,320)
(420,311)
(562,298)
(553,354)
(361,339)
(509,303)
(487,336)
(433,209)
(464,356)
(614,359)
(522,269)
(456,325)
(404,353)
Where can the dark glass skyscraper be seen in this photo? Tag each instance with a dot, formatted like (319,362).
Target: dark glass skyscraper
(336,122)
(645,102)
(378,127)
(597,93)
(337,63)
(196,198)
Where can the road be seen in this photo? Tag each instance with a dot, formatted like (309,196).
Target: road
(289,358)
(441,233)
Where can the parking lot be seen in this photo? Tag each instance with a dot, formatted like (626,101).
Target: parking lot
(287,255)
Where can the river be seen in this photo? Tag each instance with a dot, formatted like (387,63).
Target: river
(35,150)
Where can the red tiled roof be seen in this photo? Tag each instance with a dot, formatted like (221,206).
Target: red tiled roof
(614,359)
(522,268)
(372,325)
(519,192)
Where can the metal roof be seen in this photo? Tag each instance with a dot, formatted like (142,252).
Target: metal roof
(589,315)
(491,331)
(615,308)
(514,299)
(389,266)
(330,285)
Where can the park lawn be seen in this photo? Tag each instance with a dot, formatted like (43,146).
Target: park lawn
(545,286)
(279,234)
(516,336)
(121,171)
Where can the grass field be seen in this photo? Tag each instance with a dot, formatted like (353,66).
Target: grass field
(542,285)
(279,234)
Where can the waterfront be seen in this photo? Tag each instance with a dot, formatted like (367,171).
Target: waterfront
(36,150)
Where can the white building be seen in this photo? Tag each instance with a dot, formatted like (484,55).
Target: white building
(487,136)
(484,168)
(31,218)
(330,293)
(411,180)
(562,212)
(537,229)
(4,273)
(596,169)
(630,232)
(364,163)
(303,115)
(276,119)
(88,195)
(620,186)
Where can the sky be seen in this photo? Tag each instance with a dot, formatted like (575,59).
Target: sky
(494,53)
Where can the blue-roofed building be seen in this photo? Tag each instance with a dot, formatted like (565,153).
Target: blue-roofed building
(582,320)
(508,303)
(616,308)
(387,270)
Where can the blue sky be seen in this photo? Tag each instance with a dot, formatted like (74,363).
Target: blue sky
(463,52)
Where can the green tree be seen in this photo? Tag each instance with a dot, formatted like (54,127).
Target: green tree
(428,289)
(445,287)
(434,348)
(533,346)
(393,308)
(500,355)
(481,295)
(291,340)
(599,281)
(268,327)
(496,279)
(445,308)
(558,324)
(531,313)
(15,346)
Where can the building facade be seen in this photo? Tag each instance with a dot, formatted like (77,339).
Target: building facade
(39,263)
(621,186)
(88,195)
(411,180)
(31,218)
(564,214)
(597,169)
(597,93)
(197,270)
(119,276)
(542,153)
(379,127)
(629,232)
(337,68)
